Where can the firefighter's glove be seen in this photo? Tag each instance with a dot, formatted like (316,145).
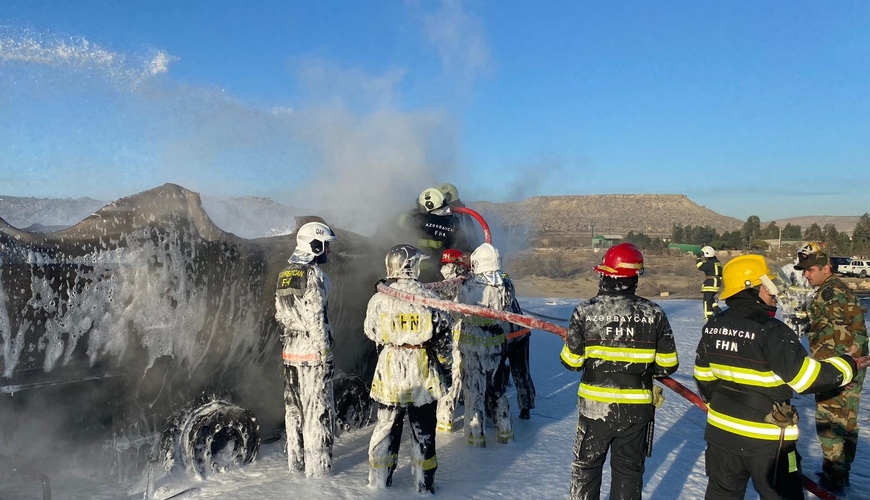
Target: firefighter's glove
(658,395)
(782,415)
(385,282)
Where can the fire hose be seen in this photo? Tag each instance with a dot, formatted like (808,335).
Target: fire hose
(530,322)
(487,236)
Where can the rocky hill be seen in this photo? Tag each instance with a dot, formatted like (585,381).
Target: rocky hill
(588,215)
(553,217)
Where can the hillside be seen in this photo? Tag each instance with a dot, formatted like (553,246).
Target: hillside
(653,214)
(552,217)
(845,223)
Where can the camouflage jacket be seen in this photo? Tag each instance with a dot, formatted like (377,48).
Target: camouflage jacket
(837,322)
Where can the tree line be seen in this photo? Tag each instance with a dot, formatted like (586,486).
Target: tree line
(752,237)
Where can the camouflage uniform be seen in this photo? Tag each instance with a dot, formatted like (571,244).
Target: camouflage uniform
(836,324)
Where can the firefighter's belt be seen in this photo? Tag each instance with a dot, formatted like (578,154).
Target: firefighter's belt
(412,346)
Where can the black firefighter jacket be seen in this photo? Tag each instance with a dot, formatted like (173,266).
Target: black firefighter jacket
(620,341)
(746,361)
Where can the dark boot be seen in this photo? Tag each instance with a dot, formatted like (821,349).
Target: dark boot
(525,414)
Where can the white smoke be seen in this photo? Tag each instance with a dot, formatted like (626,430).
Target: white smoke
(347,143)
(72,53)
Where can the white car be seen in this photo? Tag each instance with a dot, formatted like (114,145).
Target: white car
(856,267)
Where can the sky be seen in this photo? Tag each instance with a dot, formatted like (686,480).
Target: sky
(536,465)
(748,108)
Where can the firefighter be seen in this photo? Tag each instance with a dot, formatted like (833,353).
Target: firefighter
(482,344)
(621,342)
(837,327)
(300,308)
(712,269)
(468,233)
(432,227)
(747,368)
(517,358)
(795,302)
(454,264)
(414,345)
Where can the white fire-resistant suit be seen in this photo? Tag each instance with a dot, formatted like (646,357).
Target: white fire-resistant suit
(413,341)
(798,298)
(482,347)
(447,403)
(300,304)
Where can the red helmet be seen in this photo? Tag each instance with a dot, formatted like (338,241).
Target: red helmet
(621,261)
(454,256)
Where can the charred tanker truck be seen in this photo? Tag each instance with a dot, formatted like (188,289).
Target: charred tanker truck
(146,327)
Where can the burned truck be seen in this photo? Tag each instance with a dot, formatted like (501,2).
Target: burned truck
(146,327)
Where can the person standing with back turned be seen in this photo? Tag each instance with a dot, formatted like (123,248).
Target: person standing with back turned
(748,366)
(620,341)
(414,345)
(712,269)
(300,308)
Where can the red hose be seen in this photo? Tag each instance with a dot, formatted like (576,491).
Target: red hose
(471,310)
(487,236)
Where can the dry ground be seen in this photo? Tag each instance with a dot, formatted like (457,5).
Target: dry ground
(569,274)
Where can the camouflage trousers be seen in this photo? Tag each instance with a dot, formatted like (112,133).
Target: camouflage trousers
(837,428)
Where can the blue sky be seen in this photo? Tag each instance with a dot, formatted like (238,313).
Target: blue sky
(757,108)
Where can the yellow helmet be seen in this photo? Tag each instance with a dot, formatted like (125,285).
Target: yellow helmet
(748,271)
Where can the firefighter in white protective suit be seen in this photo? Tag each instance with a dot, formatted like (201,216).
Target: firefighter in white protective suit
(797,299)
(482,344)
(414,351)
(300,308)
(454,264)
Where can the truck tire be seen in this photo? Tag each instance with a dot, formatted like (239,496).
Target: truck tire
(863,273)
(214,437)
(353,406)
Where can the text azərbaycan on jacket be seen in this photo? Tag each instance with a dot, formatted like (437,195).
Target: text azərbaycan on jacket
(300,305)
(747,360)
(413,338)
(621,342)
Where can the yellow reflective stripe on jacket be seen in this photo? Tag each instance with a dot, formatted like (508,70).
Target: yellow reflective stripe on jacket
(704,374)
(479,321)
(477,340)
(746,376)
(615,395)
(429,243)
(571,359)
(807,375)
(844,367)
(707,288)
(622,354)
(666,359)
(750,429)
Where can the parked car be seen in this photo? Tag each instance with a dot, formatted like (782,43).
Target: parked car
(856,267)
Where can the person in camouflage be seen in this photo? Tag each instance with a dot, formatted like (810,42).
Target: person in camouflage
(836,327)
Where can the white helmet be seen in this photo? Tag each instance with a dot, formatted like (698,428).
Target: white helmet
(449,191)
(431,199)
(403,261)
(708,251)
(485,259)
(312,237)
